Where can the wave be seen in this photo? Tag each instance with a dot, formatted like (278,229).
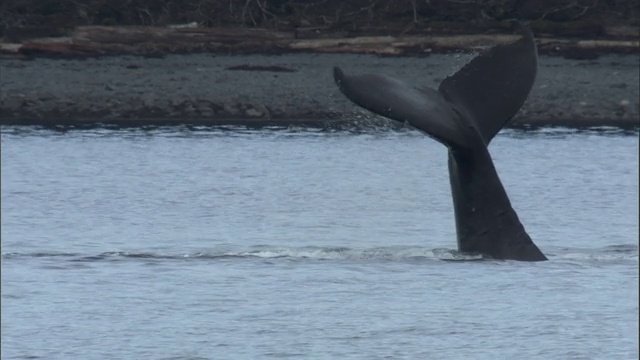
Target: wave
(263,252)
(562,132)
(610,253)
(613,253)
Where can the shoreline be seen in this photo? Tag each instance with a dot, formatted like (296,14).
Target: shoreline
(287,89)
(355,120)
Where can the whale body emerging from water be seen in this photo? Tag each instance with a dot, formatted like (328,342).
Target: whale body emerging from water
(465,113)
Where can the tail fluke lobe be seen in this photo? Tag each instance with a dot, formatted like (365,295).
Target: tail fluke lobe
(491,88)
(424,109)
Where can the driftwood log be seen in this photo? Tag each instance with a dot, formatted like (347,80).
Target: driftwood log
(90,41)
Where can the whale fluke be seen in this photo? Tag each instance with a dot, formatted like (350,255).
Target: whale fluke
(465,113)
(492,87)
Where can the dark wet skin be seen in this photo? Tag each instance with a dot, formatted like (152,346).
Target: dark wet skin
(466,112)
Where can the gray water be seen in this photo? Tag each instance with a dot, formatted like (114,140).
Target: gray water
(284,243)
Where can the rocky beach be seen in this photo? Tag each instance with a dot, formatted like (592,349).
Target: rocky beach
(206,89)
(270,63)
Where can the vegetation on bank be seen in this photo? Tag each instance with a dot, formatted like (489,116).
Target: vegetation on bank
(23,19)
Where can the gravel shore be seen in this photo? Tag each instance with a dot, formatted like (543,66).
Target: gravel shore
(205,89)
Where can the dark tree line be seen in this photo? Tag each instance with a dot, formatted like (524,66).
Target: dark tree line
(58,17)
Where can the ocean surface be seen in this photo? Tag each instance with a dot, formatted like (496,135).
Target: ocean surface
(231,243)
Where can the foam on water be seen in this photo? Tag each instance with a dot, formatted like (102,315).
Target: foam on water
(608,254)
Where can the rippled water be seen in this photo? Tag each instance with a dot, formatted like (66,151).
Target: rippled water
(236,244)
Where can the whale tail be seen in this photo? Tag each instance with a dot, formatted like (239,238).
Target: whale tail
(465,113)
(477,101)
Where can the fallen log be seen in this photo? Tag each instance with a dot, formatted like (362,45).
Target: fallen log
(88,41)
